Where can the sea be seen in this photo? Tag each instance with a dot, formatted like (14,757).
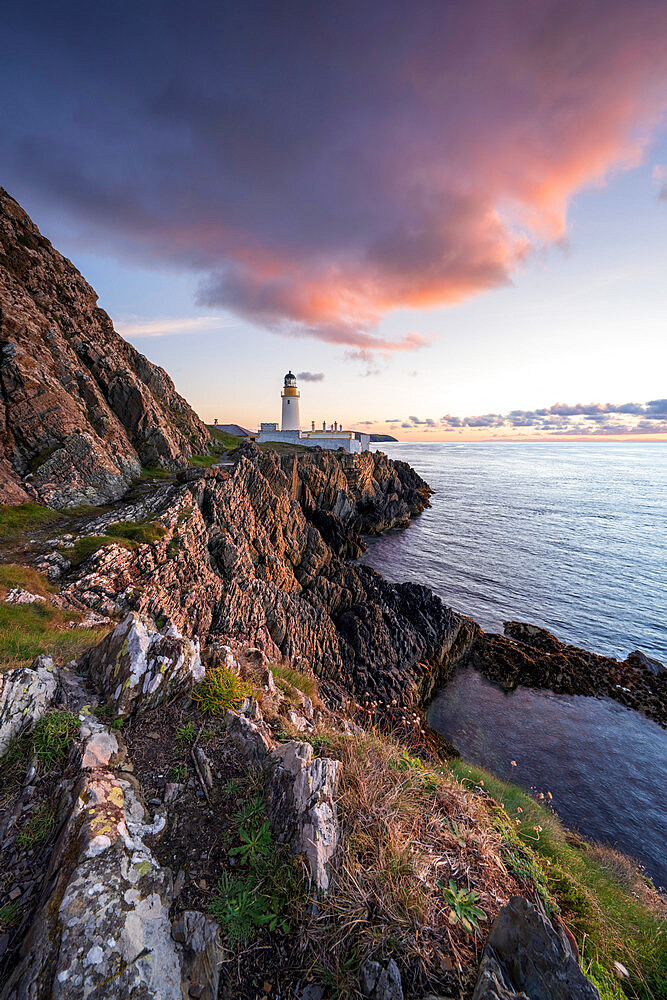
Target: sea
(571,537)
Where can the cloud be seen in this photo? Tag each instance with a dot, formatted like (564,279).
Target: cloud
(310,376)
(569,419)
(660,178)
(169,327)
(321,165)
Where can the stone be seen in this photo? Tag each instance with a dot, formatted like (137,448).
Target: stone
(381,983)
(19,596)
(25,695)
(81,408)
(136,667)
(302,805)
(204,766)
(526,957)
(252,739)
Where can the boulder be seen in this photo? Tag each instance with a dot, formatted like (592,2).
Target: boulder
(302,805)
(25,695)
(136,667)
(526,958)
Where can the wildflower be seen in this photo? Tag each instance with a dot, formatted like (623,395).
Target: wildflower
(519,809)
(549,795)
(513,763)
(540,795)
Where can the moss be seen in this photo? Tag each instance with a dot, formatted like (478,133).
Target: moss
(89,544)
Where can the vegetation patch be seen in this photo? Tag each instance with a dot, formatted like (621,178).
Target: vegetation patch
(142,532)
(38,828)
(21,519)
(53,736)
(16,577)
(221,689)
(156,472)
(295,678)
(204,461)
(26,630)
(9,915)
(614,913)
(228,441)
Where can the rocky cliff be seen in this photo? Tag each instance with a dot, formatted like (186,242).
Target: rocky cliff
(80,409)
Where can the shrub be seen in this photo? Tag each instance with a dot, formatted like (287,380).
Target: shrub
(221,689)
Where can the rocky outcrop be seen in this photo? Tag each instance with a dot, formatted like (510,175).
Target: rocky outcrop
(529,655)
(242,556)
(25,695)
(136,667)
(302,805)
(526,957)
(80,408)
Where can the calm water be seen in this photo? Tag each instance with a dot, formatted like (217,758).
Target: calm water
(605,765)
(572,537)
(569,536)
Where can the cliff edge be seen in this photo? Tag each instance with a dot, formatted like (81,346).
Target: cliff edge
(80,409)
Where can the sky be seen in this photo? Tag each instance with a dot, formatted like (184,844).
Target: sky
(450,220)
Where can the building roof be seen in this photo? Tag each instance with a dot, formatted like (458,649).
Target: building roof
(235,429)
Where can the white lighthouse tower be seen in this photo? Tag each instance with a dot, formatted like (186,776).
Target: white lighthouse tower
(290,397)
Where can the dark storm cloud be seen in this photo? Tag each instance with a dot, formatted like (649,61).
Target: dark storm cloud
(322,164)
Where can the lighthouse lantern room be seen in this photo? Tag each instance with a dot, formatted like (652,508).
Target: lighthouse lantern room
(290,397)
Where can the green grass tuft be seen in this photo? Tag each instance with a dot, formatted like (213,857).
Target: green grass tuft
(9,914)
(39,828)
(302,682)
(221,689)
(14,576)
(26,630)
(52,737)
(142,532)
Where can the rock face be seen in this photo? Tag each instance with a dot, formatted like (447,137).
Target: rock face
(529,655)
(137,667)
(525,958)
(302,805)
(80,408)
(25,695)
(243,556)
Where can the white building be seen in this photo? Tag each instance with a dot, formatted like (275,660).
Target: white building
(332,437)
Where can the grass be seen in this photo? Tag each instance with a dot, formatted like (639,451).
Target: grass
(14,576)
(9,914)
(204,461)
(38,828)
(156,472)
(142,532)
(614,913)
(127,534)
(225,439)
(294,678)
(221,689)
(24,518)
(26,630)
(52,737)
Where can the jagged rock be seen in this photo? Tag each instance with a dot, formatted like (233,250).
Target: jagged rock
(25,695)
(79,406)
(252,739)
(123,945)
(19,596)
(204,766)
(530,655)
(138,668)
(302,805)
(380,983)
(525,958)
(200,954)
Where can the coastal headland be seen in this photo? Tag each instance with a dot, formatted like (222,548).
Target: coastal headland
(211,717)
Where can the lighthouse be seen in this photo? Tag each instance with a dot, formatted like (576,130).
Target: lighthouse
(290,397)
